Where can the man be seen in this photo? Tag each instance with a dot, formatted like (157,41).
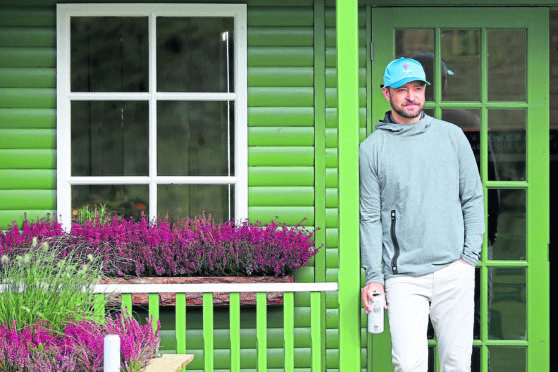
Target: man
(421,224)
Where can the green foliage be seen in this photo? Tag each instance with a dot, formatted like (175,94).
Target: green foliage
(99,213)
(46,282)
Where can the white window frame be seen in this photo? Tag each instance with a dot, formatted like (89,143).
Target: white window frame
(65,96)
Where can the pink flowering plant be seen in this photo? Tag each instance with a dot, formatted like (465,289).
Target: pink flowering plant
(48,311)
(187,247)
(78,347)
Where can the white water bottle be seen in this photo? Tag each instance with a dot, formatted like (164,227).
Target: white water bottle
(376,316)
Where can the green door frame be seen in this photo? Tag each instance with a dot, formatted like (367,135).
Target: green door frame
(535,20)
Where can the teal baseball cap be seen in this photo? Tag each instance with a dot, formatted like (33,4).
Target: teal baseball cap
(403,70)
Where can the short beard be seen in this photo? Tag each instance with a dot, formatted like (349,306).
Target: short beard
(404,114)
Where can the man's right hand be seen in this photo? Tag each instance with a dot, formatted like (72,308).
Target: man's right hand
(367,297)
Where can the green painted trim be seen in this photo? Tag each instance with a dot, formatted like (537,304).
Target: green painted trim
(538,193)
(348,140)
(319,136)
(320,160)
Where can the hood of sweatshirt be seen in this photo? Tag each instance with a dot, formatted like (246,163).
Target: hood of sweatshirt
(413,129)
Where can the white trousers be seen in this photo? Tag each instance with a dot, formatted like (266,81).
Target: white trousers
(447,296)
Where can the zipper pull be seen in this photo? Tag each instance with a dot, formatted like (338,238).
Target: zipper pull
(393,215)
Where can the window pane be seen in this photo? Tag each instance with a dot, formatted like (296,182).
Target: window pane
(418,44)
(461,65)
(109,54)
(195,138)
(124,200)
(507,309)
(180,201)
(506,135)
(507,359)
(110,138)
(195,54)
(507,66)
(507,230)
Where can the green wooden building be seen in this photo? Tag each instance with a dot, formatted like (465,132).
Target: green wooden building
(255,109)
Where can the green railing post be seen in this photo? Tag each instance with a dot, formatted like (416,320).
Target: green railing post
(261,330)
(208,331)
(154,309)
(126,304)
(316,331)
(288,330)
(234,319)
(348,133)
(180,323)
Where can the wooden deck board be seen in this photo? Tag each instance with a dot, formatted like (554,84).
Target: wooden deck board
(169,363)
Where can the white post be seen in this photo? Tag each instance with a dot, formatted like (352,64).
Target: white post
(111,353)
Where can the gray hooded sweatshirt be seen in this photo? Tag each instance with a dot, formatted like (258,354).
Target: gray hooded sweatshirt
(421,199)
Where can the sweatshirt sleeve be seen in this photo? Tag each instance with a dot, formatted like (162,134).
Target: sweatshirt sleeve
(370,221)
(472,204)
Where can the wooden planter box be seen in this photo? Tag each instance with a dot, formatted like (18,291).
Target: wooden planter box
(196,299)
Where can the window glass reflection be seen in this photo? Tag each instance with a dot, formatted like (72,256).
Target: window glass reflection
(413,43)
(195,138)
(507,66)
(179,201)
(109,54)
(507,309)
(110,138)
(506,134)
(195,54)
(122,200)
(507,231)
(460,65)
(509,359)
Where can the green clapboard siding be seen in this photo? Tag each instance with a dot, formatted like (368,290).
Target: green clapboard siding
(27,77)
(281,159)
(27,111)
(11,118)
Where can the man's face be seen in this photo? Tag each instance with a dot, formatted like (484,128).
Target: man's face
(406,102)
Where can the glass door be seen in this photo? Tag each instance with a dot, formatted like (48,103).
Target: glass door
(489,73)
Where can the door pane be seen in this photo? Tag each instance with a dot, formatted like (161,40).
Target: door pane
(178,201)
(461,65)
(507,307)
(418,44)
(109,54)
(507,66)
(195,54)
(507,229)
(109,138)
(506,134)
(123,200)
(507,359)
(469,121)
(195,138)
